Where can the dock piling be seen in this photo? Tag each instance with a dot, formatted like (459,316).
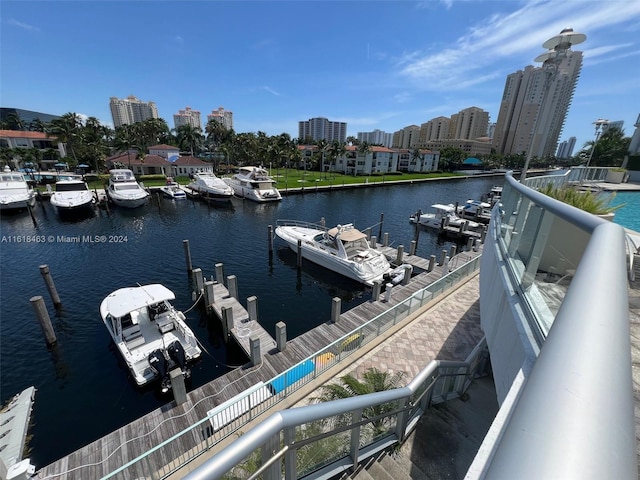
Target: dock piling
(281,336)
(232,286)
(256,358)
(374,242)
(453,250)
(227,323)
(187,255)
(412,247)
(377,288)
(252,308)
(270,238)
(336,305)
(400,254)
(443,255)
(387,292)
(178,386)
(46,274)
(469,243)
(209,295)
(407,274)
(432,263)
(43,319)
(445,266)
(381,221)
(33,217)
(198,280)
(385,239)
(220,273)
(299,257)
(483,234)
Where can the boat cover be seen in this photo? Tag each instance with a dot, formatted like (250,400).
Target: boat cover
(126,300)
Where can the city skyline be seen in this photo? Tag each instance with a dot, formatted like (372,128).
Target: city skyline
(272,70)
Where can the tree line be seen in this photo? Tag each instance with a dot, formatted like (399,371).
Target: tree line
(89,142)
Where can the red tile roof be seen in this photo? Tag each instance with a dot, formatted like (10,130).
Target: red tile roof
(188,160)
(24,134)
(163,146)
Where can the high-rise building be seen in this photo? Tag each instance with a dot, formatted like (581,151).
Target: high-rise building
(435,129)
(187,117)
(319,128)
(468,124)
(565,149)
(377,137)
(534,107)
(126,111)
(408,137)
(222,116)
(634,146)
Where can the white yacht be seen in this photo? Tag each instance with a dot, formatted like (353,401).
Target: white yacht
(475,210)
(123,189)
(343,249)
(72,196)
(150,334)
(15,192)
(208,185)
(442,216)
(173,190)
(254,183)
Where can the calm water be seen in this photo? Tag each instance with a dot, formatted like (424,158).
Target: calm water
(629,215)
(83,389)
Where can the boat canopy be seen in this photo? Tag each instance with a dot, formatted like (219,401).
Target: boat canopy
(347,233)
(126,300)
(122,175)
(444,208)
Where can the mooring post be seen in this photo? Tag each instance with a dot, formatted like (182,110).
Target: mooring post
(443,254)
(407,274)
(432,263)
(377,288)
(412,247)
(187,255)
(367,232)
(400,254)
(323,222)
(445,266)
(381,221)
(198,280)
(387,292)
(254,344)
(33,217)
(336,305)
(178,386)
(281,336)
(483,234)
(46,274)
(465,226)
(469,243)
(453,250)
(43,319)
(385,239)
(270,238)
(374,242)
(299,260)
(232,286)
(220,273)
(209,294)
(252,308)
(227,323)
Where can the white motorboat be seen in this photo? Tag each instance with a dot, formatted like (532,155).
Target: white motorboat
(443,216)
(476,210)
(254,183)
(173,190)
(72,196)
(208,185)
(343,249)
(150,334)
(15,192)
(123,189)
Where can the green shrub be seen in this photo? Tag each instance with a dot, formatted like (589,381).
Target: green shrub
(592,202)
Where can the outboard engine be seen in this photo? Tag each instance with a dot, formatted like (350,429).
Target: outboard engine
(158,363)
(176,353)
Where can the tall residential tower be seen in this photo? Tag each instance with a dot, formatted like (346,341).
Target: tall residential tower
(126,111)
(187,117)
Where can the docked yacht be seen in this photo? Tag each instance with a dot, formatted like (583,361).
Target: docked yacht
(475,210)
(172,190)
(443,216)
(254,183)
(123,189)
(71,196)
(15,192)
(343,249)
(150,334)
(208,185)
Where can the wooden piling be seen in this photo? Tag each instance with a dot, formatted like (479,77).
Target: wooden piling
(374,242)
(412,247)
(187,255)
(432,263)
(407,275)
(256,357)
(281,336)
(232,286)
(270,238)
(209,295)
(336,306)
(400,254)
(43,319)
(299,258)
(443,255)
(377,288)
(220,273)
(178,386)
(252,308)
(380,229)
(33,217)
(453,250)
(385,239)
(198,280)
(227,323)
(44,270)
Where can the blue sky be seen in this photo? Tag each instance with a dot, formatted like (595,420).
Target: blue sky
(372,64)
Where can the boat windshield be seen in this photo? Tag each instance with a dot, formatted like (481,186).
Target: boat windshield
(15,177)
(131,186)
(70,187)
(356,246)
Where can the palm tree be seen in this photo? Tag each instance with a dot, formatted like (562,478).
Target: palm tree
(336,150)
(125,140)
(67,130)
(14,122)
(322,145)
(417,156)
(609,150)
(37,125)
(189,136)
(373,380)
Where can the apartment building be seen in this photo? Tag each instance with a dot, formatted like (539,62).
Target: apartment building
(127,111)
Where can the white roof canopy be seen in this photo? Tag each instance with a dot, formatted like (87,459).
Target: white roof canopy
(128,299)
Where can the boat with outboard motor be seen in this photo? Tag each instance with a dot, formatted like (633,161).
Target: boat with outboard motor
(124,190)
(150,334)
(443,216)
(211,187)
(173,190)
(475,210)
(343,249)
(254,183)
(15,192)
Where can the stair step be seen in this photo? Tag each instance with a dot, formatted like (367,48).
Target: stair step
(378,472)
(395,469)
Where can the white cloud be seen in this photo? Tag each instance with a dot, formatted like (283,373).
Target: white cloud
(270,90)
(25,26)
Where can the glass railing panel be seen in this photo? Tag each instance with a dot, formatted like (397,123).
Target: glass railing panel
(323,451)
(246,468)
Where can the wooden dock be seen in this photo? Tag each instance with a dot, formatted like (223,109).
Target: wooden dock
(114,450)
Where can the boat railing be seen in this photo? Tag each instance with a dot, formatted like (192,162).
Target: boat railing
(225,420)
(300,223)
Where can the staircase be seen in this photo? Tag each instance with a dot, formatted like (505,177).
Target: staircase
(443,444)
